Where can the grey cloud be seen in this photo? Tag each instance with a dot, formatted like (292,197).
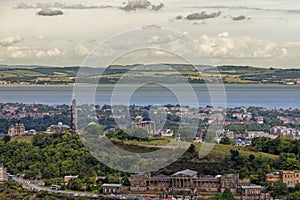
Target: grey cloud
(133,5)
(203,15)
(59,5)
(157,7)
(49,12)
(246,8)
(22,5)
(241,17)
(179,17)
(152,26)
(293,11)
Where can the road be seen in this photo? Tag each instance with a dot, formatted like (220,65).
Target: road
(29,185)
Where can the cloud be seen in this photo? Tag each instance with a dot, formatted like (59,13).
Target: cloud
(203,15)
(157,7)
(25,52)
(81,50)
(245,50)
(179,17)
(133,5)
(224,34)
(152,26)
(59,5)
(10,40)
(237,8)
(49,12)
(241,17)
(22,5)
(199,22)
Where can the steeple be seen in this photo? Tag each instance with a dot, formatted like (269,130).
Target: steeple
(74,116)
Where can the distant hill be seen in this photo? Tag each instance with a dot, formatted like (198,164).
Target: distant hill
(34,74)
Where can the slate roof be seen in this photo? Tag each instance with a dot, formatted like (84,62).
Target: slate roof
(187,172)
(111,185)
(207,177)
(252,187)
(160,176)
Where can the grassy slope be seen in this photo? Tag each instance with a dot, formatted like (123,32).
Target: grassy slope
(220,151)
(24,139)
(231,74)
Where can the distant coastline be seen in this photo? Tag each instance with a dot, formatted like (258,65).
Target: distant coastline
(45,75)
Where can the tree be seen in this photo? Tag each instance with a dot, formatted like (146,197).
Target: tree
(6,138)
(94,129)
(209,136)
(227,141)
(227,194)
(186,134)
(192,149)
(291,164)
(278,189)
(140,134)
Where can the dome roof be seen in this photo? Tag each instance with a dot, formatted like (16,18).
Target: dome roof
(146,119)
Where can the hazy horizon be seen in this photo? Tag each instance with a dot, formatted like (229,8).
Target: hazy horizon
(253,33)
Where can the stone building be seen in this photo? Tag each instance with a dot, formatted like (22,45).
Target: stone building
(230,181)
(208,184)
(59,128)
(3,176)
(183,180)
(16,130)
(253,192)
(290,178)
(144,123)
(112,188)
(186,182)
(139,182)
(158,183)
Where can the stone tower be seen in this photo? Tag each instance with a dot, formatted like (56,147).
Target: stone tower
(17,130)
(74,116)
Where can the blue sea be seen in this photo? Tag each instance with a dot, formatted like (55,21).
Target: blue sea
(267,96)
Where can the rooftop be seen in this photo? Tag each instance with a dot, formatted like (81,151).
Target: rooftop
(111,185)
(187,172)
(252,187)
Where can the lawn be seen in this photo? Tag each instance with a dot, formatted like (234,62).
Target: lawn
(25,139)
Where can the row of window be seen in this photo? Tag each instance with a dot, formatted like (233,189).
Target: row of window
(291,176)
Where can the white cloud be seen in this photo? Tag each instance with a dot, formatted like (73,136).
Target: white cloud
(25,52)
(241,47)
(81,50)
(245,50)
(224,34)
(18,54)
(60,6)
(40,37)
(10,40)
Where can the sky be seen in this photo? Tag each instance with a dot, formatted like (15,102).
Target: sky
(262,33)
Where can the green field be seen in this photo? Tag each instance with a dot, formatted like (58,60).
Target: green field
(219,151)
(229,74)
(25,139)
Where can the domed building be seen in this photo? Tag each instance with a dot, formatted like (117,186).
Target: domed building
(59,128)
(144,123)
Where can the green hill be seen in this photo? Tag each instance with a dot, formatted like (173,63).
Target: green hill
(30,74)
